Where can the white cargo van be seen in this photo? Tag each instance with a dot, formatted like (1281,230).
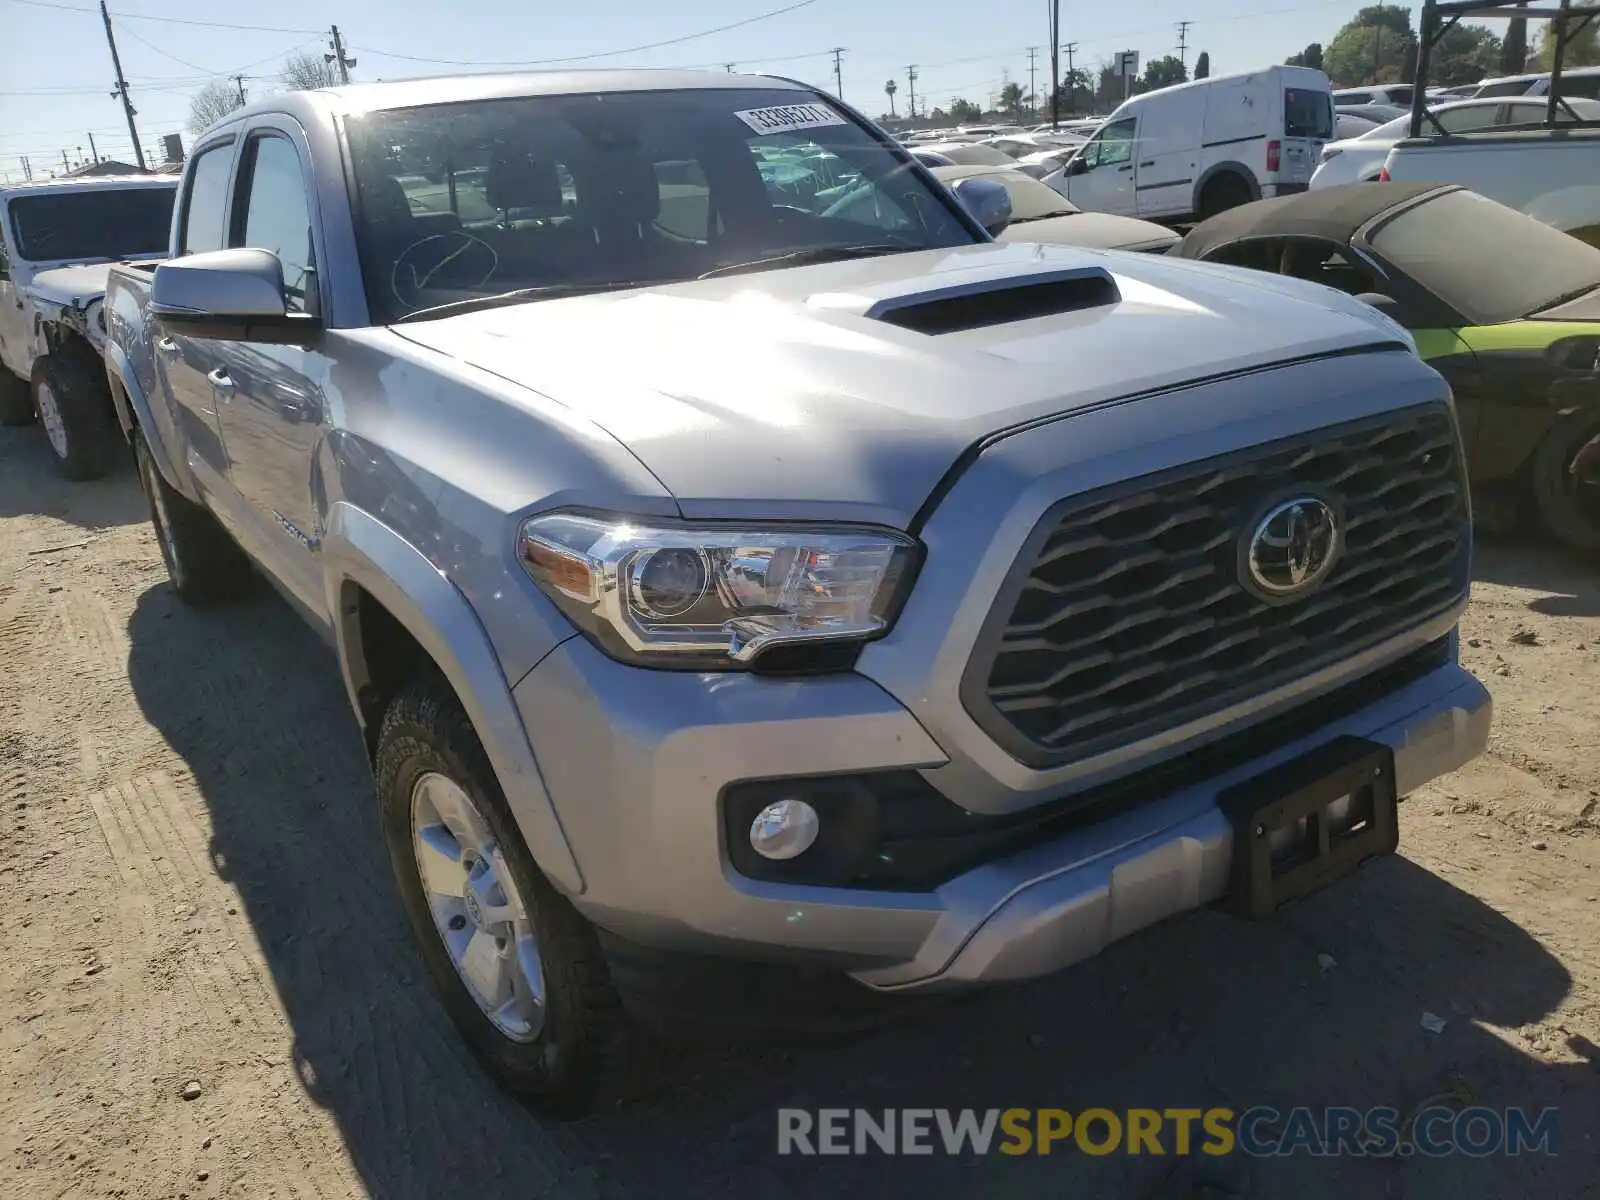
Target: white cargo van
(1195,149)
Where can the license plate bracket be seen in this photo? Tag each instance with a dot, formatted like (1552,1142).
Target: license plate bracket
(1289,841)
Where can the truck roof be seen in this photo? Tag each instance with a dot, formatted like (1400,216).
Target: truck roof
(96,183)
(451,89)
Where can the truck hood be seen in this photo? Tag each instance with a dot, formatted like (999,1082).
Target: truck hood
(779,393)
(71,286)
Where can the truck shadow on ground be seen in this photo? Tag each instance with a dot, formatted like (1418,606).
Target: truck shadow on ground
(35,487)
(1201,1011)
(1571,579)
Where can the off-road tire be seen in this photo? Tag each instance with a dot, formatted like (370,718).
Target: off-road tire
(80,396)
(1221,193)
(588,1053)
(16,400)
(205,565)
(1558,498)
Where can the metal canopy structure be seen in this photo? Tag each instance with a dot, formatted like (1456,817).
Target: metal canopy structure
(1439,17)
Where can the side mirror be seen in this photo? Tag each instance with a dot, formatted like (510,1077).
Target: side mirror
(1076,165)
(987,201)
(1387,305)
(232,295)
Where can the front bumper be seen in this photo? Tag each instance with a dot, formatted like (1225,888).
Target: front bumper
(634,761)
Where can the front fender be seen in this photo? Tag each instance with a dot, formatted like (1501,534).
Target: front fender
(359,550)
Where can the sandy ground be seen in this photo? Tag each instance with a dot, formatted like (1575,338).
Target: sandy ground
(192,888)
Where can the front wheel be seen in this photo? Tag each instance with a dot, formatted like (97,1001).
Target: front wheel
(519,971)
(75,409)
(1566,481)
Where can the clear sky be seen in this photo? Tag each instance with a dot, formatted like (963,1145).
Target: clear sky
(55,69)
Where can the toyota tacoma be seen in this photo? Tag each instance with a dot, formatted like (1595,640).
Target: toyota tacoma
(717,580)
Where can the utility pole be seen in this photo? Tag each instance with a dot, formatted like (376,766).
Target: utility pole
(1183,44)
(121,91)
(337,57)
(838,72)
(1033,89)
(1055,63)
(94,153)
(65,165)
(239,79)
(1072,89)
(27,169)
(911,100)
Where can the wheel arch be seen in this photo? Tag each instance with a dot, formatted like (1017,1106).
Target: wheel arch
(1229,166)
(133,410)
(380,586)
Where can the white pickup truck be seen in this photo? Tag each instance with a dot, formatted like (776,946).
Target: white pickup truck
(1553,175)
(58,239)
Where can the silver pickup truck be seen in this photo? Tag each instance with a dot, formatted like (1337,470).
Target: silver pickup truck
(723,584)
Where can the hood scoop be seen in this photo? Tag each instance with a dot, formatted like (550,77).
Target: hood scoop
(975,304)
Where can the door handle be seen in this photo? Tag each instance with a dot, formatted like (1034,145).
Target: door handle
(1125,167)
(221,380)
(1149,162)
(167,346)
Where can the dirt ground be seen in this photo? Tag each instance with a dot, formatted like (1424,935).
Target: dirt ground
(192,888)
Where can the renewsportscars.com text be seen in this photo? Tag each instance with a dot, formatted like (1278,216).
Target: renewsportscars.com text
(1261,1131)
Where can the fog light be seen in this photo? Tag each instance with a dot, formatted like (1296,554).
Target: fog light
(784,829)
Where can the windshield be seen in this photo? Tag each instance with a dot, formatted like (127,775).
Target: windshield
(105,223)
(469,200)
(1488,262)
(1307,114)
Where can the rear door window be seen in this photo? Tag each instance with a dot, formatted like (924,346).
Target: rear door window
(1587,86)
(1517,87)
(1459,120)
(1307,114)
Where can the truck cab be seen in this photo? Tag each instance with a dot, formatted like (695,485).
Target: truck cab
(1196,149)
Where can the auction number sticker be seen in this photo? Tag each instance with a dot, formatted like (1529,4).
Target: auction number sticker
(790,116)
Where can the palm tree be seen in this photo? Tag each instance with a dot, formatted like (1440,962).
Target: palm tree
(1013,99)
(889,89)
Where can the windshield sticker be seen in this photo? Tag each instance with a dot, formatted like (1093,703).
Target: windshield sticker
(790,116)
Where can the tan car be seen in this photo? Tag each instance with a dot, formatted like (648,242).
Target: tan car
(1040,214)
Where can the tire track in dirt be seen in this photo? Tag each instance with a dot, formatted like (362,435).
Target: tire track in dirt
(228,988)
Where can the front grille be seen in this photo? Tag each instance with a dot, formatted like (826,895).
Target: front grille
(1126,614)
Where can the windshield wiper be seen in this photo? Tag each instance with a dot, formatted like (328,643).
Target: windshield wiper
(549,291)
(1042,217)
(811,254)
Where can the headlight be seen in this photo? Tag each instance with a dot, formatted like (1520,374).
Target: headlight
(708,596)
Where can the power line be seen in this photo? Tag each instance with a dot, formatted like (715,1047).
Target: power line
(539,62)
(127,16)
(166,54)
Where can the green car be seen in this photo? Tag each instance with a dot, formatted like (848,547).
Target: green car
(1504,307)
